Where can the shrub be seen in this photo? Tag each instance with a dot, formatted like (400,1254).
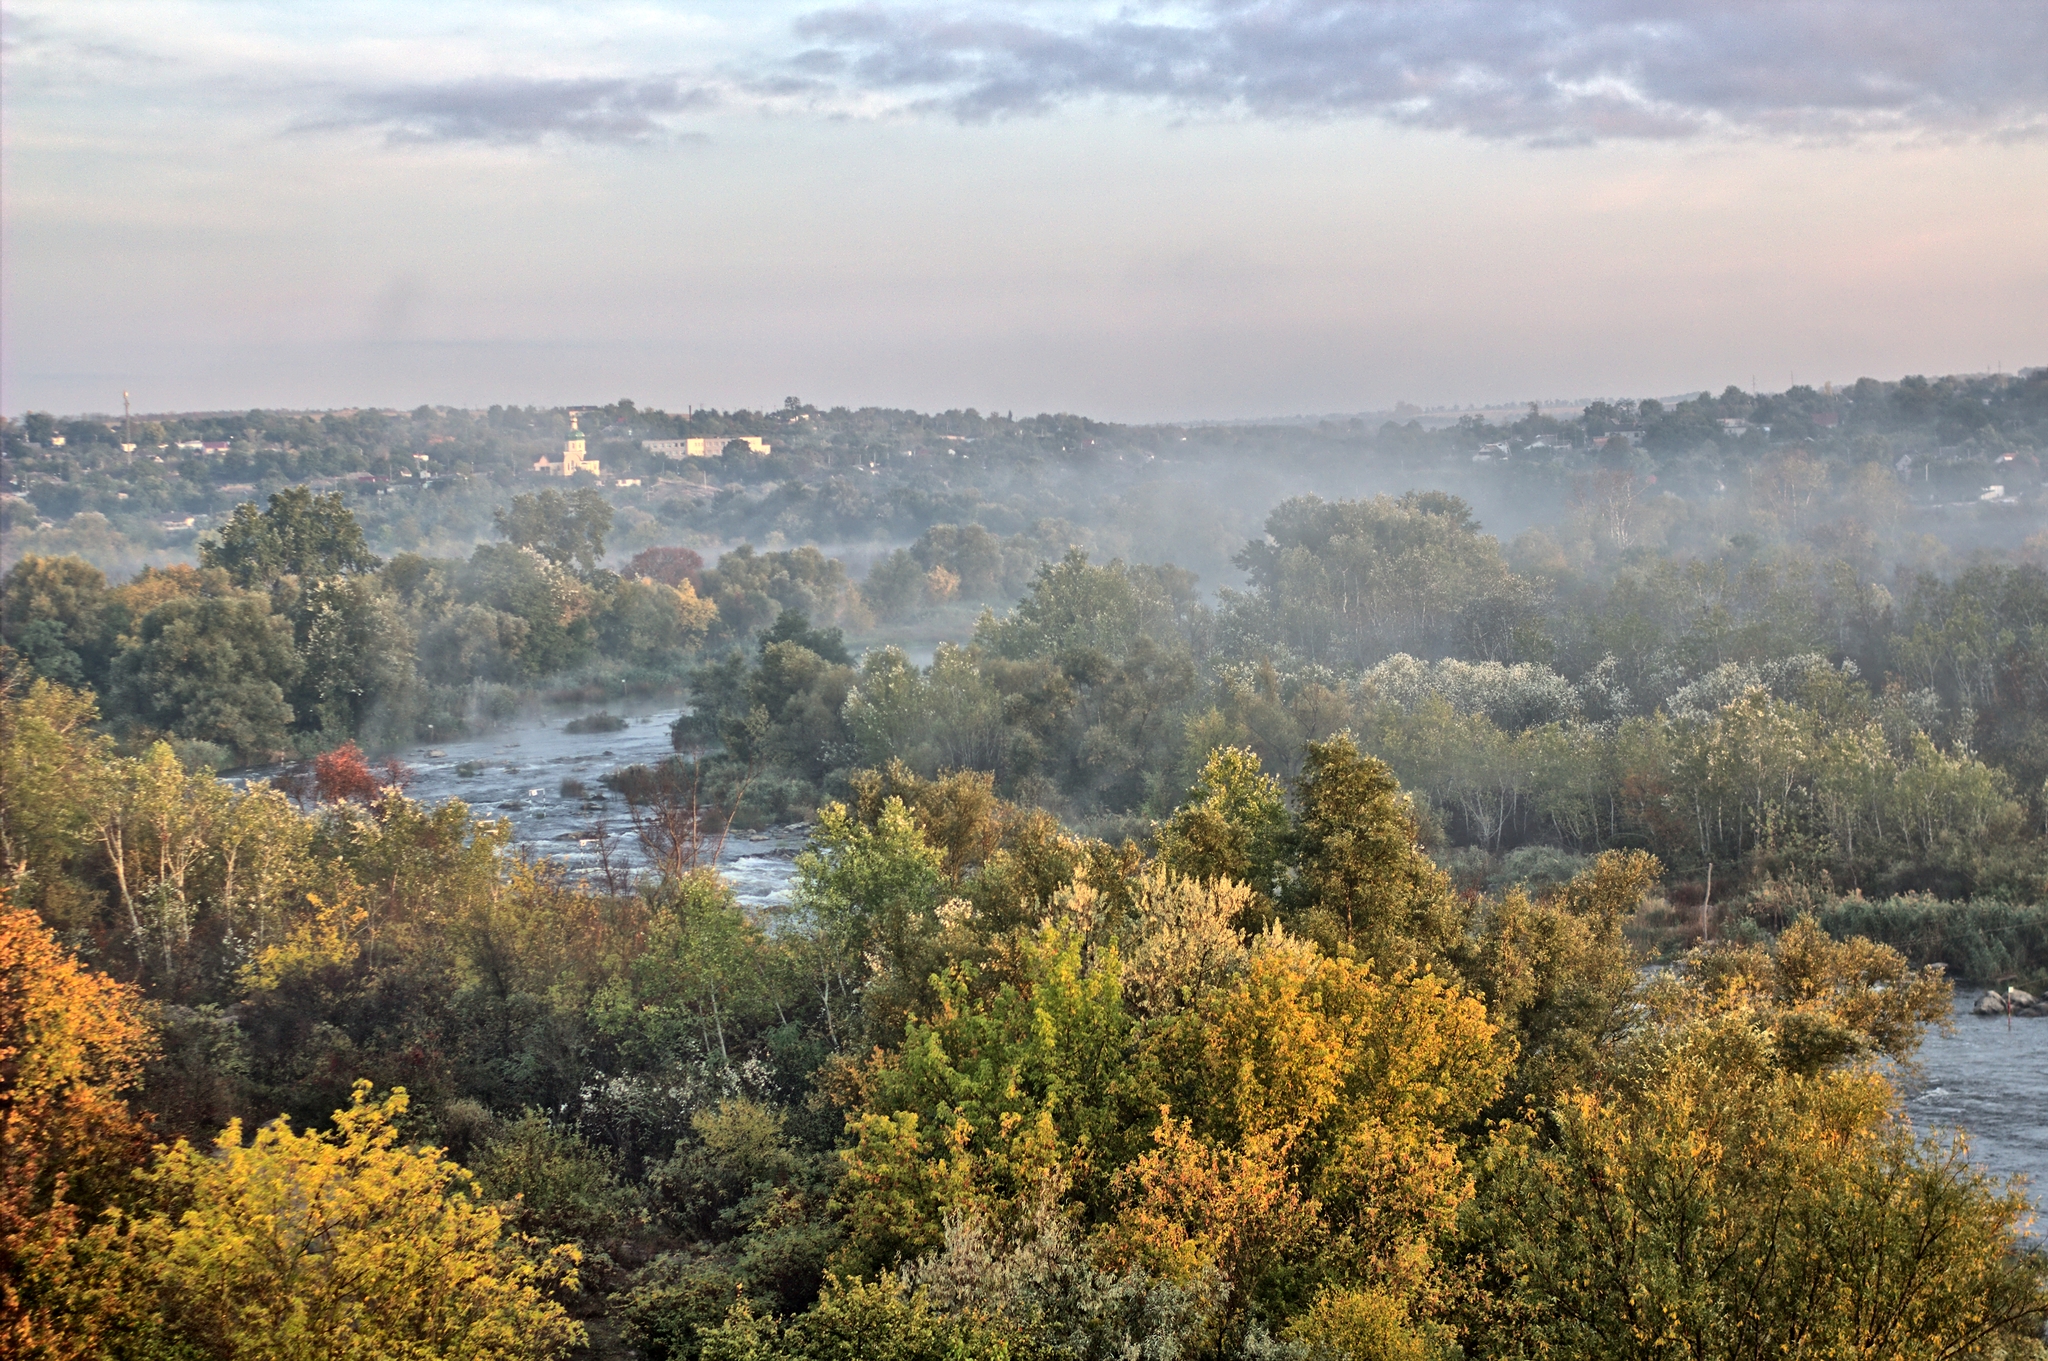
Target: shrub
(564,1188)
(1981,941)
(675,1301)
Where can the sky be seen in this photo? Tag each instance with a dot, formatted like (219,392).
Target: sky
(1209,209)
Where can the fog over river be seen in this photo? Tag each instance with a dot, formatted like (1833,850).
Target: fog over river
(1987,1077)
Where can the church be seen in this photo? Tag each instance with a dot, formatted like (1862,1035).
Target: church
(572,460)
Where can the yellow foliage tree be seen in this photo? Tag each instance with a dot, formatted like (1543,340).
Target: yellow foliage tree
(333,1247)
(1722,1204)
(1350,1085)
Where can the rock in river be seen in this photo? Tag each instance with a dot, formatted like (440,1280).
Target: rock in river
(1990,1004)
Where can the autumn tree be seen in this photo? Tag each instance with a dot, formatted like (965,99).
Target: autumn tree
(72,1045)
(669,566)
(344,774)
(1719,1204)
(340,1245)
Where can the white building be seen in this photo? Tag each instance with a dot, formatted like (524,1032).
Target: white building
(701,448)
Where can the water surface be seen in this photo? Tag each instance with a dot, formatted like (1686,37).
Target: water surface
(517,772)
(1989,1078)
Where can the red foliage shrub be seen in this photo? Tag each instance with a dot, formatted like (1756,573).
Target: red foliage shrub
(669,566)
(344,774)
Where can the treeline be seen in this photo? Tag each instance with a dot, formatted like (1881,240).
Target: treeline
(987,1088)
(428,481)
(1748,717)
(292,637)
(1746,707)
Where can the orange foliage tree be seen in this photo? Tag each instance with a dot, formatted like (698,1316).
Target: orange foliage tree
(71,1042)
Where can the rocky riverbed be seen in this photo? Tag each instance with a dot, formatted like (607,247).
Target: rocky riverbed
(2011,1002)
(546,781)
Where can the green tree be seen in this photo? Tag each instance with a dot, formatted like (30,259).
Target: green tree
(301,535)
(991,1094)
(647,622)
(752,589)
(855,1321)
(874,891)
(56,777)
(53,612)
(356,653)
(541,607)
(566,530)
(1362,876)
(1074,607)
(1233,825)
(1558,975)
(1354,581)
(216,668)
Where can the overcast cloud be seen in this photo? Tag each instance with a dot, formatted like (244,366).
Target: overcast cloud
(1130,208)
(1565,70)
(516,110)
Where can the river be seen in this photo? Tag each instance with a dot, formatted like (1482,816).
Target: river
(1986,1077)
(1989,1078)
(517,773)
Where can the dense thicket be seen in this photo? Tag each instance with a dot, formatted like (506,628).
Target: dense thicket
(986,1088)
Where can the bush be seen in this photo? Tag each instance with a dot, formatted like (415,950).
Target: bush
(738,1149)
(675,1301)
(197,756)
(1537,868)
(597,722)
(564,1188)
(1981,941)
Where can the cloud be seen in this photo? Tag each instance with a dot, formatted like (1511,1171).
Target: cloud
(1520,70)
(512,110)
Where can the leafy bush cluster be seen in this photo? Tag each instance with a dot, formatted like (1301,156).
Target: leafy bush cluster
(1271,1087)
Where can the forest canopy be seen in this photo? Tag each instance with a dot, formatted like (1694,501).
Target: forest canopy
(986,1087)
(1428,888)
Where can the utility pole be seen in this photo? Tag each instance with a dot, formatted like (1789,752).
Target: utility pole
(127,424)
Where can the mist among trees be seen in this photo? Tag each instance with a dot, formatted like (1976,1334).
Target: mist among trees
(1458,887)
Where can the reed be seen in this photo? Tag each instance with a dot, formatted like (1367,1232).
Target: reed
(1980,940)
